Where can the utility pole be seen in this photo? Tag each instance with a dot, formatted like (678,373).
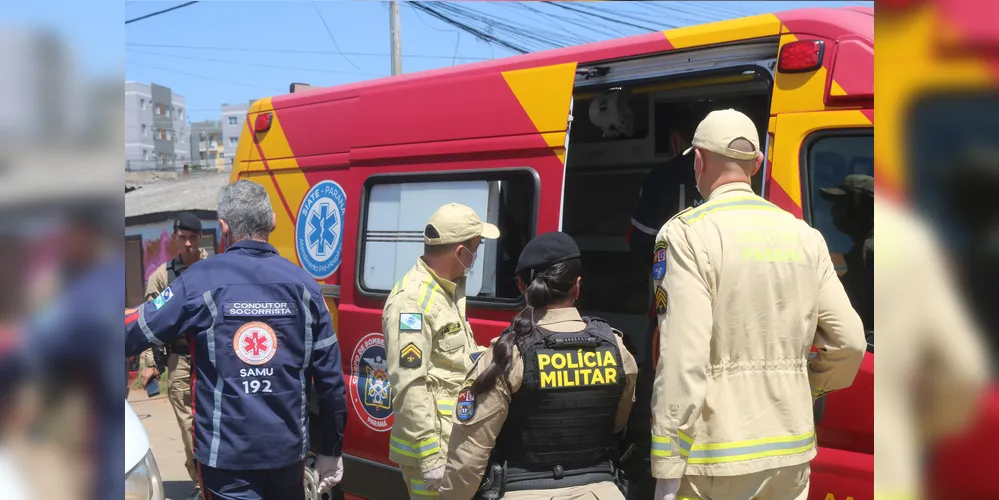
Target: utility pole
(396,39)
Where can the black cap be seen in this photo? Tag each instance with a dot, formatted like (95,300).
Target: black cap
(188,221)
(853,183)
(547,250)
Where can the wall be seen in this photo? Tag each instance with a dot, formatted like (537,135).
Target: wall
(156,242)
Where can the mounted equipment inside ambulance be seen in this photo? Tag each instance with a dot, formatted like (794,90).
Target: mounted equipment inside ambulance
(558,140)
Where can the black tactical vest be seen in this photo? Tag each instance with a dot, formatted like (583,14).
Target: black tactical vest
(179,346)
(560,428)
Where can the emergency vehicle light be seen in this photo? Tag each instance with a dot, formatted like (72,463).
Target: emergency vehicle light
(800,56)
(262,123)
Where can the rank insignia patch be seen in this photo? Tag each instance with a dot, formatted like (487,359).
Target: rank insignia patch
(661,302)
(410,356)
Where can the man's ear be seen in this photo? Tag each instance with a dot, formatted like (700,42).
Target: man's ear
(223,227)
(759,163)
(273,221)
(521,285)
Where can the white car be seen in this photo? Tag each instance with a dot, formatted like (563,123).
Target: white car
(142,477)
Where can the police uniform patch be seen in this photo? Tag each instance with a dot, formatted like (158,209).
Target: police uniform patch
(581,368)
(410,322)
(410,356)
(661,302)
(255,343)
(659,261)
(465,405)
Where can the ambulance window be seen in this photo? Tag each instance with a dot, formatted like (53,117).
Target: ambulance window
(839,166)
(397,209)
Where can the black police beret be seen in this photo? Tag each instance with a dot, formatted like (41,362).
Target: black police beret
(188,221)
(547,250)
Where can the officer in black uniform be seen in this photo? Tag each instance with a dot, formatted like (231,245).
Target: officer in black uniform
(540,414)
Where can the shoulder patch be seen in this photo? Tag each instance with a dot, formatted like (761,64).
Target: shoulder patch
(659,260)
(661,301)
(163,297)
(465,405)
(410,356)
(410,322)
(475,356)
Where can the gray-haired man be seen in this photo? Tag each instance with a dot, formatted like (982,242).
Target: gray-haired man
(262,336)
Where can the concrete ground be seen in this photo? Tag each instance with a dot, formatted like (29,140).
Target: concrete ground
(164,438)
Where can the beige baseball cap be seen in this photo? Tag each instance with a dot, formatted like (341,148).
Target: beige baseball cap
(717,130)
(455,223)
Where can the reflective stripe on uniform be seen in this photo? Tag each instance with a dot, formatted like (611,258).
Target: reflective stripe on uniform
(145,328)
(418,488)
(414,450)
(306,300)
(427,297)
(445,406)
(400,282)
(661,447)
(717,453)
(217,407)
(645,229)
(747,203)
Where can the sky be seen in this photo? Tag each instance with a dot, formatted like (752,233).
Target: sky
(216,52)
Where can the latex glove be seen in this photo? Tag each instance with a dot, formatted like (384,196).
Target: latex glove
(433,478)
(666,489)
(330,471)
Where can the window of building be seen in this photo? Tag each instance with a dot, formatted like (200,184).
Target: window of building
(233,141)
(144,130)
(145,155)
(845,217)
(233,120)
(397,211)
(180,113)
(142,104)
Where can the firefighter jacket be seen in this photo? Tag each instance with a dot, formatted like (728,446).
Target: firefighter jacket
(262,336)
(552,399)
(744,290)
(430,349)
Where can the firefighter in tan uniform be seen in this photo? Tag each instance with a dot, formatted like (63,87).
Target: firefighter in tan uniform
(186,236)
(744,290)
(541,411)
(430,345)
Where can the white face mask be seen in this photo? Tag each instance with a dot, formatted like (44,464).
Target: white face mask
(697,178)
(468,269)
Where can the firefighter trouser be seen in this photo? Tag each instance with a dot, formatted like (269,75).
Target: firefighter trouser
(786,483)
(179,393)
(286,483)
(414,483)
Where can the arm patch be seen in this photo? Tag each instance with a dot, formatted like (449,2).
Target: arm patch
(410,322)
(410,356)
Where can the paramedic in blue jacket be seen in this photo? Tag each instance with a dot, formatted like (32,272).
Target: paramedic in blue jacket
(261,335)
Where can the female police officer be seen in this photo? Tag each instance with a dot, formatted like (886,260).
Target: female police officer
(539,410)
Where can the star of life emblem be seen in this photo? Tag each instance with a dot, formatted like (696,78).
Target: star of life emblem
(255,343)
(319,229)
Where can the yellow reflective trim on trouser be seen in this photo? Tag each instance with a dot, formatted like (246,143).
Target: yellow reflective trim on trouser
(661,447)
(419,488)
(743,203)
(445,406)
(716,453)
(414,450)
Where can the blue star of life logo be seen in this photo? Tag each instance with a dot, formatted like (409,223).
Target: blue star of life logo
(319,229)
(323,224)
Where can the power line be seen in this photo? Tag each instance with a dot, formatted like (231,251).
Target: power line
(330,33)
(478,33)
(242,63)
(244,84)
(291,51)
(164,11)
(598,16)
